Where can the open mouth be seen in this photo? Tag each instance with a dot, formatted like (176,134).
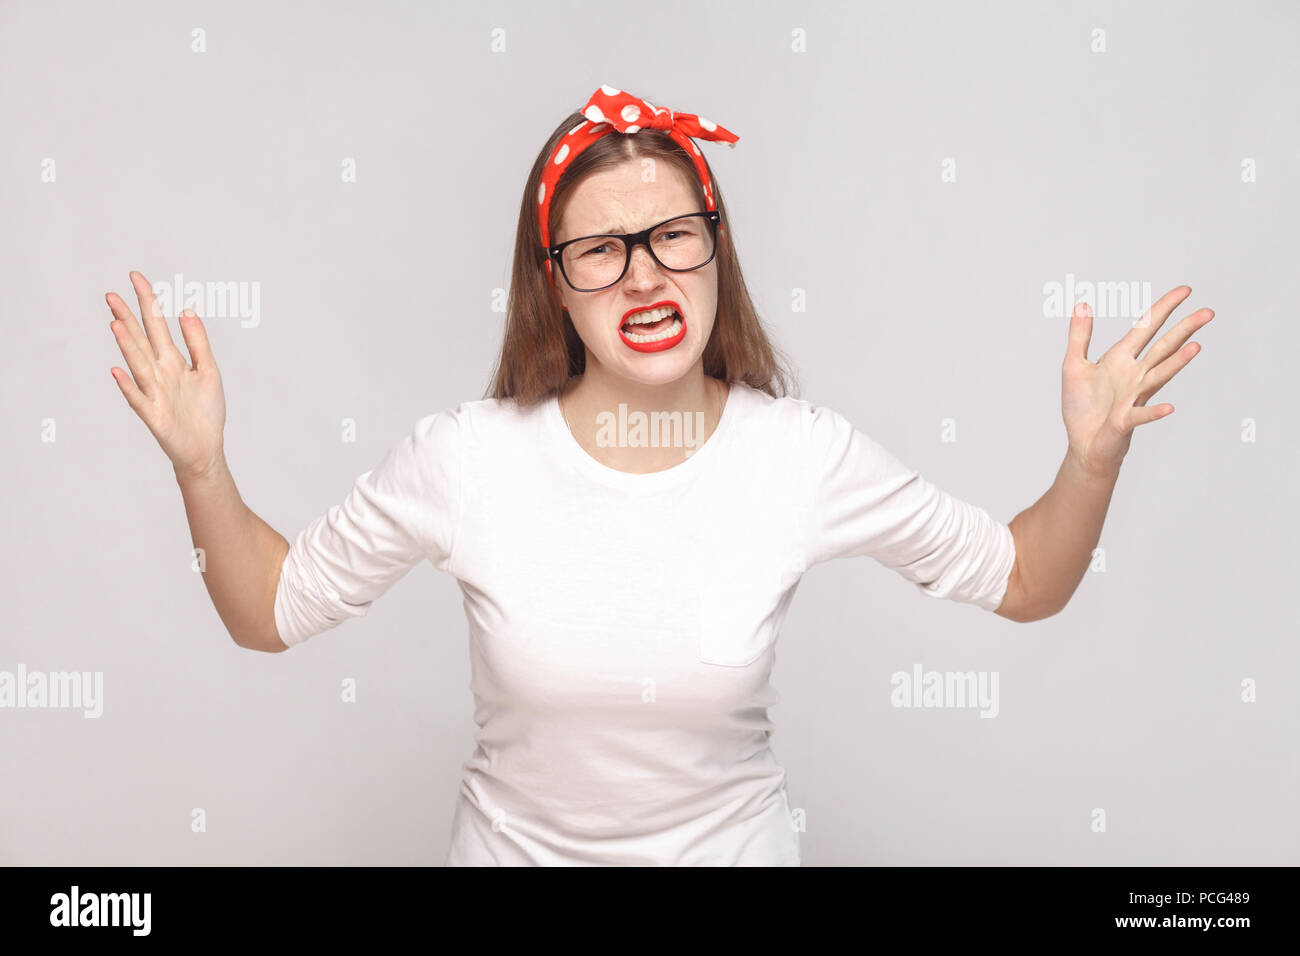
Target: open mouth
(654,329)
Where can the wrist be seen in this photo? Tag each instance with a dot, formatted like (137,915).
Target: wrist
(1078,467)
(205,473)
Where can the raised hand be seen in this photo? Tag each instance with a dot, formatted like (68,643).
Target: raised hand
(180,401)
(1103,401)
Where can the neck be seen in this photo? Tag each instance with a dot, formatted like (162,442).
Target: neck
(633,438)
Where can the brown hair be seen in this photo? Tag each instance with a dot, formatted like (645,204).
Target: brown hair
(541,350)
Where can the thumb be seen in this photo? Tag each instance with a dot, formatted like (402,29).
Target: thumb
(1080,333)
(196,340)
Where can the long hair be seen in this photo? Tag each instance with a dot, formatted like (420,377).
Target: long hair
(541,350)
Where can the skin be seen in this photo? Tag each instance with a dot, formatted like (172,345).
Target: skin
(617,200)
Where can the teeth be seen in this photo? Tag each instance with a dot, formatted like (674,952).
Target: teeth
(650,315)
(665,334)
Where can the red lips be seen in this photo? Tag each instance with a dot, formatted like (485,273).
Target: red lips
(646,308)
(660,344)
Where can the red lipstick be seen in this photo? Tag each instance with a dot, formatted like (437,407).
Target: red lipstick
(658,345)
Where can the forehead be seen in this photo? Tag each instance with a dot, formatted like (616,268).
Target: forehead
(626,198)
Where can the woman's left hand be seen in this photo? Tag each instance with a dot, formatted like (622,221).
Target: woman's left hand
(1103,401)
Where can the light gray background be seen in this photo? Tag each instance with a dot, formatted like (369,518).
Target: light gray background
(924,302)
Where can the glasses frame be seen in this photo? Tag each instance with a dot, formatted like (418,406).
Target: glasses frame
(630,241)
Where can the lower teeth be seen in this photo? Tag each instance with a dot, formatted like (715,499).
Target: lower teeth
(655,337)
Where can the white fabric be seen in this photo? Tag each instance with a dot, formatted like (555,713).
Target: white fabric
(623,627)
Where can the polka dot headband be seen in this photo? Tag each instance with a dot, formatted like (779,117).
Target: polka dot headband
(610,110)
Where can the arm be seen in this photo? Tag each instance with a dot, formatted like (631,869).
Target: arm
(863,500)
(1101,402)
(404,510)
(243,556)
(183,405)
(1054,539)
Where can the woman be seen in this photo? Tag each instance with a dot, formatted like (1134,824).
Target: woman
(630,512)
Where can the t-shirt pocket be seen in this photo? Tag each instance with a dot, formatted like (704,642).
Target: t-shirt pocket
(743,600)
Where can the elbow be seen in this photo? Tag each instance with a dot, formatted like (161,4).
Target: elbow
(1027,615)
(1051,611)
(265,634)
(1022,607)
(1024,610)
(1013,613)
(267,643)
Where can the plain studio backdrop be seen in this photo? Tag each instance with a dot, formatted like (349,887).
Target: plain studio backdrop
(911,183)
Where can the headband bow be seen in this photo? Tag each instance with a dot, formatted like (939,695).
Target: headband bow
(610,110)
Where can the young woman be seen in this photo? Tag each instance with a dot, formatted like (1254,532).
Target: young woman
(630,511)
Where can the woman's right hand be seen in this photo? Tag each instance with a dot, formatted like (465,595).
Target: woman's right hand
(181,402)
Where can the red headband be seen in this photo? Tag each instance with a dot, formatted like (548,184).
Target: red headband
(610,110)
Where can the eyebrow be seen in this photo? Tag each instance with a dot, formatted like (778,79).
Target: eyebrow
(618,229)
(615,229)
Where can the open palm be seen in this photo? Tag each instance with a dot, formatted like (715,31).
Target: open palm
(1103,401)
(182,404)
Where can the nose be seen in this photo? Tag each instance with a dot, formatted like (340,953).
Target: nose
(642,270)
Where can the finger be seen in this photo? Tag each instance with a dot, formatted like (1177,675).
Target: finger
(196,340)
(1159,376)
(1138,336)
(138,358)
(1140,415)
(138,401)
(1171,341)
(1080,333)
(121,311)
(155,323)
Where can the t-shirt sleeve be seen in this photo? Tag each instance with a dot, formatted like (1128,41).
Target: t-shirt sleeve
(404,510)
(867,502)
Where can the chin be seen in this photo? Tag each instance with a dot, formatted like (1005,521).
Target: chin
(656,368)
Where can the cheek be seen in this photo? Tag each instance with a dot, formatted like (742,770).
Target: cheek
(708,304)
(590,329)
(705,329)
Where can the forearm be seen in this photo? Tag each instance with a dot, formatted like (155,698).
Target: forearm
(242,556)
(1055,538)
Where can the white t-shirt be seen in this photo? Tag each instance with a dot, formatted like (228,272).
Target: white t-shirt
(622,627)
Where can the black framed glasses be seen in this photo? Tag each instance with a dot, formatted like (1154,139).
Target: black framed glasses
(681,244)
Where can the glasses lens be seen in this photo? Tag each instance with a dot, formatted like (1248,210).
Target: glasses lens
(682,244)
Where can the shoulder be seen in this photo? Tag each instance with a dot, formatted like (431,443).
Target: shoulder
(789,419)
(813,439)
(481,416)
(489,426)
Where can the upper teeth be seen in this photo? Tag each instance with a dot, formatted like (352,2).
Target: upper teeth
(651,315)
